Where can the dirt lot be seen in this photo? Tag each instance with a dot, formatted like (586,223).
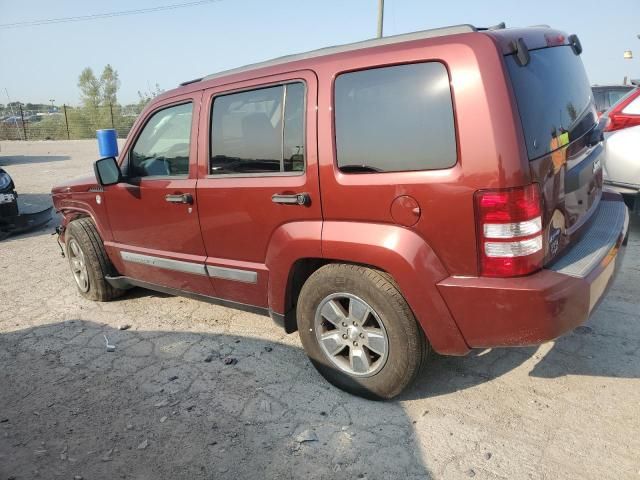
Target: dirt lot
(165,405)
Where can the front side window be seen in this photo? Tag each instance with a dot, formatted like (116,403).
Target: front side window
(395,119)
(258,131)
(162,149)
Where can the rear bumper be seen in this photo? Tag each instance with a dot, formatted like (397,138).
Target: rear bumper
(492,312)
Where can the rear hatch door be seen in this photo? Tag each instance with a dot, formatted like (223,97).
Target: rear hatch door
(562,137)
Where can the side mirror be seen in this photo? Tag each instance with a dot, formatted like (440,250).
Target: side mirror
(107,171)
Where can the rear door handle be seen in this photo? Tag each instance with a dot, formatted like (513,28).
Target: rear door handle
(291,199)
(179,198)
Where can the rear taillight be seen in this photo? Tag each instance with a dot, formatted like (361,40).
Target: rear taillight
(617,119)
(509,223)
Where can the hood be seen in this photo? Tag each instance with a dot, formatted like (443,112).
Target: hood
(78,184)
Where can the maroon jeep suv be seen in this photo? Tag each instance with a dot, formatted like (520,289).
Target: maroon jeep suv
(438,190)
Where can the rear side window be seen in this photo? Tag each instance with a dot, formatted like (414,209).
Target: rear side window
(162,148)
(395,119)
(554,98)
(258,131)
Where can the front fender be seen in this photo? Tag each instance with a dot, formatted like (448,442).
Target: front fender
(84,204)
(411,262)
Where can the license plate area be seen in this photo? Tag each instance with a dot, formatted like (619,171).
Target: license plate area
(7,198)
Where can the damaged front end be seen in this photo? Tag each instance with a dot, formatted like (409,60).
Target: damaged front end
(11,220)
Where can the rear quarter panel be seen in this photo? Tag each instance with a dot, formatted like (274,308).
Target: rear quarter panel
(489,151)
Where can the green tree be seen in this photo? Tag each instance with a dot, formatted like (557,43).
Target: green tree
(110,83)
(148,95)
(90,89)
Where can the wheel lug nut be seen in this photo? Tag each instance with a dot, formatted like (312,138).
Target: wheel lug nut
(344,324)
(362,335)
(355,324)
(355,344)
(344,335)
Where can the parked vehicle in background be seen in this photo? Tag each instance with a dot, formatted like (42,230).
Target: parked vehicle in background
(622,147)
(11,220)
(605,96)
(438,190)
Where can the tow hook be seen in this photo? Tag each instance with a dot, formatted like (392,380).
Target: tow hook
(59,230)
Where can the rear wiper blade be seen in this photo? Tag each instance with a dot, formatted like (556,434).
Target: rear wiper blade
(359,169)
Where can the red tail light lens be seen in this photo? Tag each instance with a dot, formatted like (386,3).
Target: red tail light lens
(617,119)
(509,224)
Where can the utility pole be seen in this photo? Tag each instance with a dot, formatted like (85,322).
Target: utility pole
(380,17)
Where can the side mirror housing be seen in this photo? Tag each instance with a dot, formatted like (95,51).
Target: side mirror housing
(107,171)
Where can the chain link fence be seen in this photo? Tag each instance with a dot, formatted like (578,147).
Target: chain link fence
(65,123)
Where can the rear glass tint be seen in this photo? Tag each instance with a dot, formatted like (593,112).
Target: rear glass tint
(394,119)
(554,98)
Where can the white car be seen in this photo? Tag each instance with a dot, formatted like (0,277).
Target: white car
(622,146)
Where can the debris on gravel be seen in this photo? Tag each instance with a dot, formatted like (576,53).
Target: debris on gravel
(144,444)
(110,348)
(107,456)
(124,326)
(230,361)
(268,349)
(583,330)
(307,436)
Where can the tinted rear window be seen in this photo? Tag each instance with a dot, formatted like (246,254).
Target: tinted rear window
(394,119)
(554,98)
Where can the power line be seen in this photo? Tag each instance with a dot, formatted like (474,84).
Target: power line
(97,16)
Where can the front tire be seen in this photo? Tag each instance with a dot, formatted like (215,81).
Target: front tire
(359,331)
(89,261)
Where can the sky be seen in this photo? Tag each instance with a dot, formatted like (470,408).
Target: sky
(39,63)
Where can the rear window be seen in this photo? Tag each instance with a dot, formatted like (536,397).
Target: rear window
(395,119)
(554,98)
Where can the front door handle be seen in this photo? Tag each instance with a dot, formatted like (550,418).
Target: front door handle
(303,199)
(179,198)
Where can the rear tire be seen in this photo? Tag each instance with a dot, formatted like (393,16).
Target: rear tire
(360,313)
(89,261)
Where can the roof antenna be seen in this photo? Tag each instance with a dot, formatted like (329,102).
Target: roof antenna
(500,26)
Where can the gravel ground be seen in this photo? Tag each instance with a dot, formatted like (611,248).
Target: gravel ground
(165,405)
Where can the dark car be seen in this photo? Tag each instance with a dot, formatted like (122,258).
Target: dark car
(605,96)
(438,190)
(11,220)
(8,196)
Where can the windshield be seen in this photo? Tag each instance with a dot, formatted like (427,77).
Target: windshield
(554,98)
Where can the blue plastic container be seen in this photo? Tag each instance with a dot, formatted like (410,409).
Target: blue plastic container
(107,142)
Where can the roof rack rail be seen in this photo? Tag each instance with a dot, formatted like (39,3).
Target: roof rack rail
(195,80)
(404,37)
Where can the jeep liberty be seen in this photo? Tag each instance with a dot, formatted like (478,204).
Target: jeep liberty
(438,190)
